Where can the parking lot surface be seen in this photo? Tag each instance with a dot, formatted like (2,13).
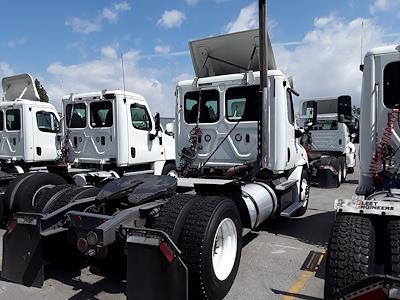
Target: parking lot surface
(282,259)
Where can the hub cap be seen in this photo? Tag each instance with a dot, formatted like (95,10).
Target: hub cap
(224,249)
(305,191)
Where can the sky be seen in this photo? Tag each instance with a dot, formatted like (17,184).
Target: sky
(76,46)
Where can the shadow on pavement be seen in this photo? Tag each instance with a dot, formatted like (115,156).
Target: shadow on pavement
(312,229)
(294,295)
(86,290)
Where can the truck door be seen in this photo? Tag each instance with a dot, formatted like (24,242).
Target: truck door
(13,143)
(290,132)
(46,125)
(142,149)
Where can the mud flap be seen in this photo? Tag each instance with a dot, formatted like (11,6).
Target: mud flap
(326,179)
(22,254)
(155,269)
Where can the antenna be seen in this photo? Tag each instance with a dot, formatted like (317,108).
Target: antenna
(123,73)
(361,42)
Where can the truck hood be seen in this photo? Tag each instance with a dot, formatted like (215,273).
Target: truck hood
(14,86)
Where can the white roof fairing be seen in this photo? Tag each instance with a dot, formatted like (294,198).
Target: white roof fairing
(13,86)
(229,54)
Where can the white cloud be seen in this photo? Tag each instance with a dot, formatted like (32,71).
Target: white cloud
(326,62)
(379,5)
(5,69)
(171,18)
(110,14)
(162,49)
(247,19)
(16,43)
(106,73)
(192,2)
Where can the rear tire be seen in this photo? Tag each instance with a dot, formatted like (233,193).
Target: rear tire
(342,163)
(211,245)
(21,192)
(173,215)
(350,255)
(393,232)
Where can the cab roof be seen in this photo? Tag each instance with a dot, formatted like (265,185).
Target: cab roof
(23,102)
(97,95)
(383,50)
(228,78)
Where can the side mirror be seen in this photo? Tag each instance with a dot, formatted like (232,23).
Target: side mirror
(344,109)
(157,122)
(311,113)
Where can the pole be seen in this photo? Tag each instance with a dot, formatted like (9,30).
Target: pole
(263,128)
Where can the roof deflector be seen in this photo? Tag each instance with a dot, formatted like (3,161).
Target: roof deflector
(229,53)
(19,87)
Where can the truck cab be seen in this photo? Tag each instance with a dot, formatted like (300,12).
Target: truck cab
(115,129)
(28,127)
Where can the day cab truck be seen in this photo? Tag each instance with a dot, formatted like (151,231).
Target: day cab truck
(244,163)
(101,135)
(364,248)
(331,152)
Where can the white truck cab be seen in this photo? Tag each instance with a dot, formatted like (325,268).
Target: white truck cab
(115,129)
(28,127)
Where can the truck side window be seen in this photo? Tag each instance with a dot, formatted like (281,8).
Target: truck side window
(140,117)
(209,106)
(13,119)
(47,121)
(76,115)
(1,121)
(391,85)
(101,114)
(290,109)
(241,103)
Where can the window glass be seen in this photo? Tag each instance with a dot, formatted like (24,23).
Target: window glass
(1,121)
(101,114)
(391,85)
(13,119)
(290,107)
(140,117)
(76,115)
(47,121)
(241,103)
(325,125)
(209,112)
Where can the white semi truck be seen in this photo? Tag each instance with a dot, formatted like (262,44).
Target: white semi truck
(330,149)
(102,135)
(245,164)
(364,247)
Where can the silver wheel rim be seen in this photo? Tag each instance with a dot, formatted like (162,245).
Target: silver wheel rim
(43,188)
(173,173)
(304,191)
(340,174)
(224,249)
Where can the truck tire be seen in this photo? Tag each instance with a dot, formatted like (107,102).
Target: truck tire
(170,169)
(351,252)
(393,234)
(173,215)
(337,165)
(23,191)
(304,194)
(342,163)
(49,196)
(212,261)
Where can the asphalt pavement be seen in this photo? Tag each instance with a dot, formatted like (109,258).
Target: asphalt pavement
(282,259)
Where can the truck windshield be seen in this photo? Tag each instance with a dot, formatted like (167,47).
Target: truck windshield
(76,115)
(101,114)
(241,103)
(391,86)
(209,106)
(13,119)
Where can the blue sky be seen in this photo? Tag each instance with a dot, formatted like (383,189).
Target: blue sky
(75,46)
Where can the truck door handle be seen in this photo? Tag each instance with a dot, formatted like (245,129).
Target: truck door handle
(103,140)
(133,152)
(39,150)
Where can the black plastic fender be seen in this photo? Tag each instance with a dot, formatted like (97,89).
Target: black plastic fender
(22,251)
(155,269)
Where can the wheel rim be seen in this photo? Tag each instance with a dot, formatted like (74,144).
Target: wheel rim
(344,173)
(39,191)
(173,173)
(305,191)
(340,174)
(224,249)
